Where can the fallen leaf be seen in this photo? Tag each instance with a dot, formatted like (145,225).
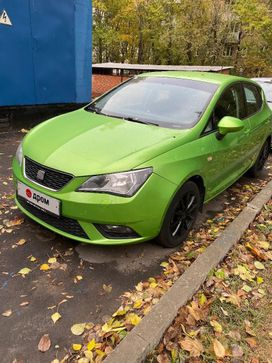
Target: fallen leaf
(52,260)
(55,317)
(21,242)
(24,271)
(260,280)
(44,267)
(91,345)
(202,300)
(219,349)
(216,326)
(259,265)
(133,319)
(107,288)
(78,329)
(246,288)
(44,343)
(33,259)
(24,303)
(237,351)
(193,346)
(76,347)
(251,342)
(7,313)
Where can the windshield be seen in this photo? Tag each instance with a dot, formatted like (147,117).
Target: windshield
(163,101)
(267,87)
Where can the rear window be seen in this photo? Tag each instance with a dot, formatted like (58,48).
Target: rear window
(253,99)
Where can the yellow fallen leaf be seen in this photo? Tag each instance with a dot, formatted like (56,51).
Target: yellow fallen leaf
(153,285)
(218,348)
(138,304)
(121,312)
(78,329)
(107,288)
(164,264)
(33,259)
(133,319)
(44,267)
(76,347)
(100,353)
(55,361)
(216,326)
(21,242)
(260,280)
(83,360)
(91,345)
(55,317)
(79,277)
(52,260)
(88,354)
(202,300)
(24,271)
(259,265)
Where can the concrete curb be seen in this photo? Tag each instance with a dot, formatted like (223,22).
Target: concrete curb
(145,336)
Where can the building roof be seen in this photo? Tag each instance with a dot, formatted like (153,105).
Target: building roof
(153,67)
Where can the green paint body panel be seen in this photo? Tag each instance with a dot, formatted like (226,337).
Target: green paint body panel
(86,144)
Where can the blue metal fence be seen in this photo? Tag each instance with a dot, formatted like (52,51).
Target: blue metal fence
(45,52)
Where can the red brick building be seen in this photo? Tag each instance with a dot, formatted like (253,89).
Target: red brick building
(108,75)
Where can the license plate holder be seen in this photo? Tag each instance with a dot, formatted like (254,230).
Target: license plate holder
(39,200)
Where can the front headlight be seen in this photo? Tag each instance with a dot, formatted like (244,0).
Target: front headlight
(19,154)
(125,184)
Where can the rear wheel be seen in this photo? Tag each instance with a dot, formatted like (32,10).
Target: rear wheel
(180,216)
(256,169)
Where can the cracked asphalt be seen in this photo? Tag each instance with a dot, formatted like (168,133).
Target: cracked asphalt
(74,287)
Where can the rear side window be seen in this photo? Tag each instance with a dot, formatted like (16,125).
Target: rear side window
(253,99)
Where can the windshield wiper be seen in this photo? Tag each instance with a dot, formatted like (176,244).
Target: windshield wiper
(132,119)
(94,109)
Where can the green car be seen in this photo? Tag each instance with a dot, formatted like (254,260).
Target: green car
(139,162)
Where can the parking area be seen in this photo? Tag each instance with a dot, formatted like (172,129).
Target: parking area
(80,282)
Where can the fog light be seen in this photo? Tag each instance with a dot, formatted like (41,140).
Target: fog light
(116,231)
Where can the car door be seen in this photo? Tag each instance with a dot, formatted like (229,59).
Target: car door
(257,116)
(230,155)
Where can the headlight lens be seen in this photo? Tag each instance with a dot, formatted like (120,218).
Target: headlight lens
(19,154)
(125,184)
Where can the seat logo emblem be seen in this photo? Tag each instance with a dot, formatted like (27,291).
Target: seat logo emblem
(40,175)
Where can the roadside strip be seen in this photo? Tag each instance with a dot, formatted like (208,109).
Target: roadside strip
(145,336)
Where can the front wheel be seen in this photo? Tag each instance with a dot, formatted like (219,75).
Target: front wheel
(181,216)
(256,169)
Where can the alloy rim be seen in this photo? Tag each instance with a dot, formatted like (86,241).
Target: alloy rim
(263,157)
(184,215)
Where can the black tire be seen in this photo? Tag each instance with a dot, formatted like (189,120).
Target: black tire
(181,216)
(257,168)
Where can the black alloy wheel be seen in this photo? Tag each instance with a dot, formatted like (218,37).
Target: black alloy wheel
(181,216)
(256,169)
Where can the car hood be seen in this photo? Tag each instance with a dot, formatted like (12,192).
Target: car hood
(84,143)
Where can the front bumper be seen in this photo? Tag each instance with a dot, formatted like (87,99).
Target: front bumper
(143,213)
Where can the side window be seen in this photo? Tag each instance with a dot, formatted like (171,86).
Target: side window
(231,103)
(253,99)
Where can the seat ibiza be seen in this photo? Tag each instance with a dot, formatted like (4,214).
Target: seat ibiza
(139,162)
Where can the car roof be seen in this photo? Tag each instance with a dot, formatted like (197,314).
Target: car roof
(212,77)
(263,79)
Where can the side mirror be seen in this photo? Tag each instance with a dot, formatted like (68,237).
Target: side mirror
(228,124)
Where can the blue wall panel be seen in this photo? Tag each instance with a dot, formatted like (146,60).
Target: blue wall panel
(47,52)
(16,62)
(53,50)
